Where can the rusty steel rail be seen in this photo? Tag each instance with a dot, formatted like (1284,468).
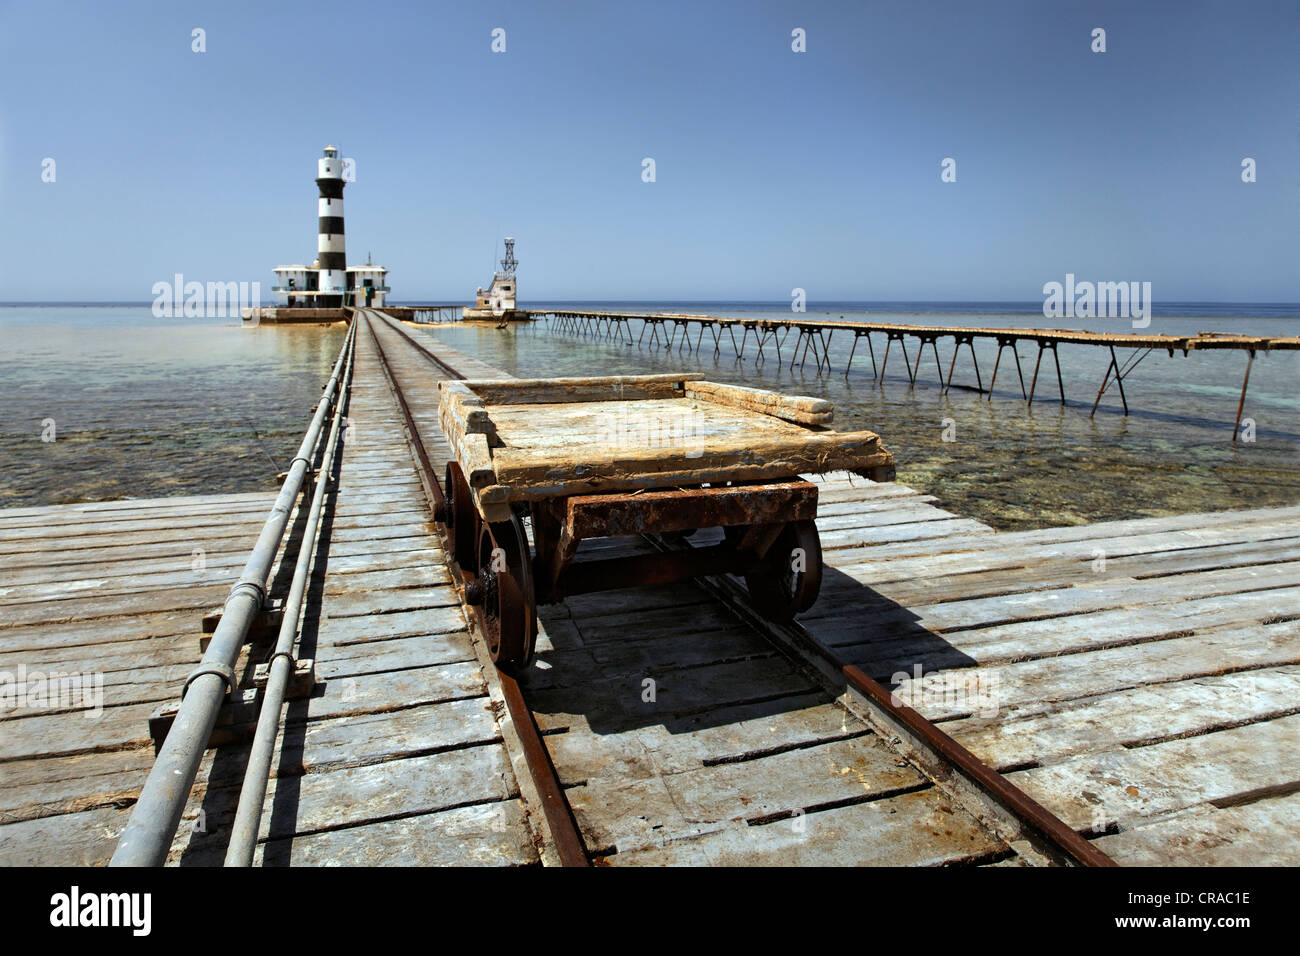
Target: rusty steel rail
(555,805)
(1050,834)
(451,372)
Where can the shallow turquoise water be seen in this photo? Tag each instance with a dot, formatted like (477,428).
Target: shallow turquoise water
(146,407)
(1011,465)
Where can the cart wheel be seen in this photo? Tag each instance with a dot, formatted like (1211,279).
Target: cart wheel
(462,518)
(790,576)
(502,594)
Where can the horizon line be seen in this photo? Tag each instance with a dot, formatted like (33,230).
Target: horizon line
(701,301)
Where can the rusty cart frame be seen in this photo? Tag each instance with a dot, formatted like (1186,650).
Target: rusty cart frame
(588,458)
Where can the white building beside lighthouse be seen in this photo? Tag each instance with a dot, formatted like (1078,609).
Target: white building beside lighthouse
(328,283)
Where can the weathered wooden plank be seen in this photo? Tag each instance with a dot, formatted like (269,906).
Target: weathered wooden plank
(134,504)
(76,839)
(682,701)
(384,532)
(632,813)
(910,531)
(91,608)
(374,693)
(59,519)
(348,604)
(1028,686)
(668,619)
(489,834)
(53,535)
(913,829)
(703,447)
(1060,571)
(410,542)
(198,534)
(1111,594)
(868,521)
(53,735)
(1100,532)
(330,800)
(184,560)
(110,589)
(499,391)
(730,734)
(238,541)
(1262,833)
(345,568)
(107,630)
(403,653)
(422,577)
(383,627)
(642,655)
(49,786)
(107,657)
(1054,636)
(1123,787)
(1194,706)
(844,506)
(799,409)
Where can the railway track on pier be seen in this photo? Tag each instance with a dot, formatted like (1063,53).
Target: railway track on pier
(1147,699)
(678,726)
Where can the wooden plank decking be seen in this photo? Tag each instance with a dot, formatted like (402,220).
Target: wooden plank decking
(1151,697)
(1145,674)
(736,740)
(401,732)
(114,592)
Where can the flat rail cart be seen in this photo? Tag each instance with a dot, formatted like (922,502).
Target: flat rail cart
(584,458)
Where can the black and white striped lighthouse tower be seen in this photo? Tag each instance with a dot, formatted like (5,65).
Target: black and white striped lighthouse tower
(332,259)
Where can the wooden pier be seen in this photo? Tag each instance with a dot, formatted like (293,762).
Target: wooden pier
(1137,679)
(813,337)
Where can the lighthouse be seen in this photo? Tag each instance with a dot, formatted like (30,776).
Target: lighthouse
(320,290)
(330,244)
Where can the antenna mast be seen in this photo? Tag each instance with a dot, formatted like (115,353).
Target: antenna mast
(509,263)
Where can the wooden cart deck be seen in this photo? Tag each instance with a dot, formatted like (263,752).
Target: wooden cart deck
(522,440)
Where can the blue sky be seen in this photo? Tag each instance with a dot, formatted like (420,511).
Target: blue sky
(774,169)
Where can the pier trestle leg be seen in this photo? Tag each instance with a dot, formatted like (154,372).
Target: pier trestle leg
(920,353)
(1033,385)
(1241,405)
(1121,372)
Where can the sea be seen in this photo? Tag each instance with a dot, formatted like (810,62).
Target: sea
(105,401)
